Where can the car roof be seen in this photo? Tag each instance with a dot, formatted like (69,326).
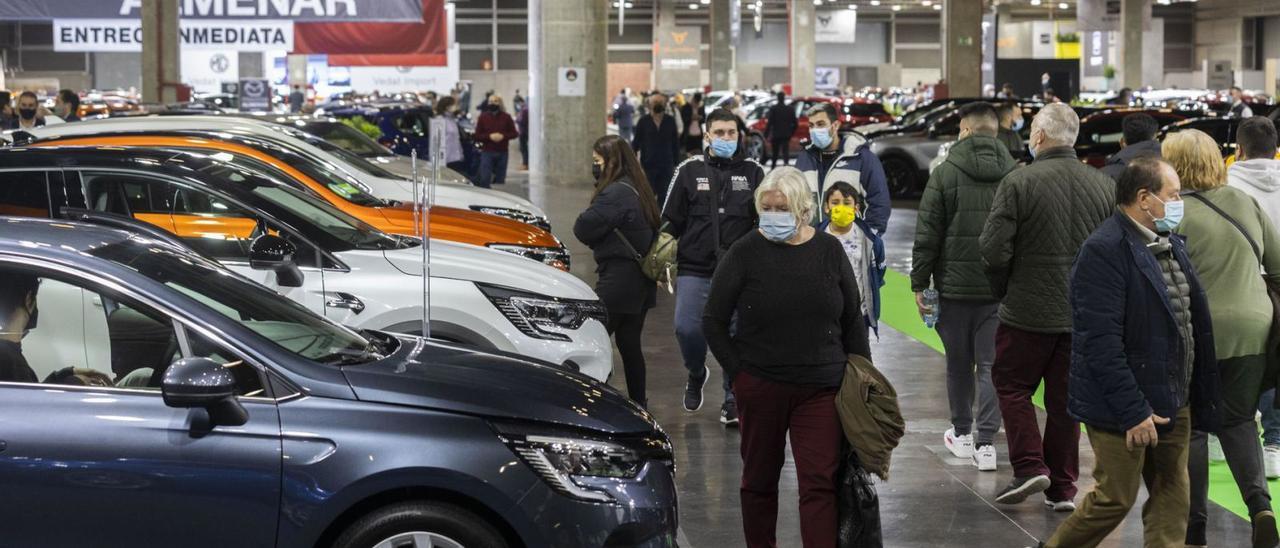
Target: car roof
(19,233)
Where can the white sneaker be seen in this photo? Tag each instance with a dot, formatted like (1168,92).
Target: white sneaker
(1215,450)
(1271,461)
(1060,505)
(984,457)
(960,446)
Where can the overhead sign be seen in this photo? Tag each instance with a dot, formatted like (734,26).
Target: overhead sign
(572,82)
(255,94)
(294,10)
(1104,15)
(836,27)
(826,78)
(207,70)
(99,35)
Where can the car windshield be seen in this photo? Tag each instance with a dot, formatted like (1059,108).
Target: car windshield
(918,114)
(284,322)
(316,213)
(348,138)
(352,159)
(331,176)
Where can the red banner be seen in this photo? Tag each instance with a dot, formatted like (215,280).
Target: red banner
(379,44)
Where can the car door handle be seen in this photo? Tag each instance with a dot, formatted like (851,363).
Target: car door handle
(344,300)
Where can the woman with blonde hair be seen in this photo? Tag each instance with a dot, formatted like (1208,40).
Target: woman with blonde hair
(1229,238)
(799,316)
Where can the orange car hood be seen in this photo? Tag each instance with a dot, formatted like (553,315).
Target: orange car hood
(461,225)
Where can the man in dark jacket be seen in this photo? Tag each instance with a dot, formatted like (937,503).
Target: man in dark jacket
(625,116)
(781,126)
(1143,367)
(1139,139)
(657,142)
(691,117)
(67,106)
(833,157)
(952,213)
(710,206)
(1041,215)
(495,129)
(1011,122)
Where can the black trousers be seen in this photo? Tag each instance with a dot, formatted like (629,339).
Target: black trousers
(626,330)
(780,148)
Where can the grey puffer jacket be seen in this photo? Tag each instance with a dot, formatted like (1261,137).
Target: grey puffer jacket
(1042,214)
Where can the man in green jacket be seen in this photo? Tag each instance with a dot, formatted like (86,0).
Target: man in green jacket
(1042,214)
(952,213)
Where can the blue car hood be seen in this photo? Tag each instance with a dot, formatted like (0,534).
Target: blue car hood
(460,379)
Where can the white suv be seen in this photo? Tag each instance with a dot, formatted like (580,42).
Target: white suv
(379,182)
(315,254)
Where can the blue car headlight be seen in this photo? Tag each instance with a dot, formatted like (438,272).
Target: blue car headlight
(566,460)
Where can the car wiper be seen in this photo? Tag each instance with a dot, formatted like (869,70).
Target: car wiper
(351,357)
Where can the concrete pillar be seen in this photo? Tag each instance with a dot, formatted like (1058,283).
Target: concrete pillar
(962,48)
(1131,15)
(566,33)
(160,54)
(722,58)
(804,52)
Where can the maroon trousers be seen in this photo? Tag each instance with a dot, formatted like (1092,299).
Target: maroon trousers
(1023,360)
(767,411)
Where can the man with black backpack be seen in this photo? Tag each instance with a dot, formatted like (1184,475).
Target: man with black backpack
(710,204)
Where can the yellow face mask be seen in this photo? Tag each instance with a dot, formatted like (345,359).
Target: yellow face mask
(843,215)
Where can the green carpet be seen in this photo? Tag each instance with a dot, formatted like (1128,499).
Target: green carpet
(898,310)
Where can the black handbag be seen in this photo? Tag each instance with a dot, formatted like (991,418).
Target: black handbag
(858,506)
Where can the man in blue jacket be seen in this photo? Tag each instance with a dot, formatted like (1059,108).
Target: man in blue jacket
(831,157)
(1143,368)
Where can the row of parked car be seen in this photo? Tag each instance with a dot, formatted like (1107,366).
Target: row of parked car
(230,309)
(912,142)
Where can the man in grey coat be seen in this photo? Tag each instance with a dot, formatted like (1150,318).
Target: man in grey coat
(1042,214)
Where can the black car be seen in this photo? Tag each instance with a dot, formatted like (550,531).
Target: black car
(1100,132)
(1221,128)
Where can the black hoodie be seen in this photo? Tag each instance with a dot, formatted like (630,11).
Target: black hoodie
(729,184)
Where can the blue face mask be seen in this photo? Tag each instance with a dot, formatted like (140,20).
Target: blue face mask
(1017,124)
(723,148)
(777,226)
(821,137)
(1172,215)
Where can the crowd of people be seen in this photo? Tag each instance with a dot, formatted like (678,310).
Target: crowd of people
(1137,295)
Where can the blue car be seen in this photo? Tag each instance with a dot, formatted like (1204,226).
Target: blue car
(150,397)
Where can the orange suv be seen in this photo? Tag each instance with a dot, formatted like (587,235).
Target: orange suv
(345,192)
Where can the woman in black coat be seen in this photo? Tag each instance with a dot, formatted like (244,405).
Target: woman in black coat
(623,206)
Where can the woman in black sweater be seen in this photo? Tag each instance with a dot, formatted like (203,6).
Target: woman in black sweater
(798,318)
(623,206)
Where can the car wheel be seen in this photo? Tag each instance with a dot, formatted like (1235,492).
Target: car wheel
(901,176)
(420,525)
(755,146)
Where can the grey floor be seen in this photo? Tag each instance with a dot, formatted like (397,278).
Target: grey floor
(932,499)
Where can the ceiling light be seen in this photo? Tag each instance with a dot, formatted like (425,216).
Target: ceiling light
(926,3)
(937,7)
(1063,6)
(1035,2)
(896,7)
(817,2)
(705,2)
(693,7)
(875,2)
(630,5)
(853,6)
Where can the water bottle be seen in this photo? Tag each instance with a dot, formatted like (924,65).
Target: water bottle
(931,301)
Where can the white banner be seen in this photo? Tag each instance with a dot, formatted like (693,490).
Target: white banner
(126,35)
(836,27)
(206,71)
(401,79)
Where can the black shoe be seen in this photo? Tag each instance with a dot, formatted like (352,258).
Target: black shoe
(693,390)
(1264,530)
(729,414)
(1196,534)
(1021,488)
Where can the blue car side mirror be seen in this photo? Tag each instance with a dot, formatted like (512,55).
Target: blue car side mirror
(203,383)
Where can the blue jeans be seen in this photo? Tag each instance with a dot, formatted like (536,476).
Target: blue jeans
(493,169)
(1270,418)
(691,299)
